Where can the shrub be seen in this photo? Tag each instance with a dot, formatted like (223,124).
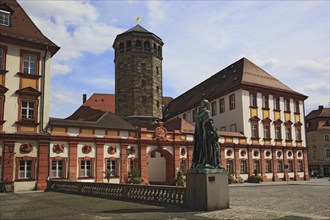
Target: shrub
(135,177)
(180,179)
(254,179)
(231,178)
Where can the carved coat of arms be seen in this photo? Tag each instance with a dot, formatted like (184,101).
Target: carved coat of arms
(160,131)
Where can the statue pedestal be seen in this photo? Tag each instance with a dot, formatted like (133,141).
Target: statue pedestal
(207,189)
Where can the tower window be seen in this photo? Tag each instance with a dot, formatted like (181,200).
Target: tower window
(146,46)
(143,83)
(138,43)
(158,104)
(159,51)
(157,70)
(143,100)
(121,47)
(129,45)
(143,68)
(4,18)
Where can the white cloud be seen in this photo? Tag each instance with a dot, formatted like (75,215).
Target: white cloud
(59,69)
(156,12)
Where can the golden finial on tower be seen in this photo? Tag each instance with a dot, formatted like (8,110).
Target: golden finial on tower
(137,19)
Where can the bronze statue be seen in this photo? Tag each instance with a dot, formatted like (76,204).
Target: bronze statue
(206,152)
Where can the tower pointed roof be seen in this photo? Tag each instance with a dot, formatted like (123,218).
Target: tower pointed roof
(138,30)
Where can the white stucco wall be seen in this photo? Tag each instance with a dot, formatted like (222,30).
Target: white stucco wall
(157,168)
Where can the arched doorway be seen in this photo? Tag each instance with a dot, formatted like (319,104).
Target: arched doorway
(160,167)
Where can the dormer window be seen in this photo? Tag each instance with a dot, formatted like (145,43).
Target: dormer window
(4,18)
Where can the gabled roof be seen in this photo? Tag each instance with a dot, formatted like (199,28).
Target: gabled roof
(22,29)
(105,120)
(318,119)
(242,73)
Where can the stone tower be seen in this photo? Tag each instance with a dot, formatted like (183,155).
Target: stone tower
(138,76)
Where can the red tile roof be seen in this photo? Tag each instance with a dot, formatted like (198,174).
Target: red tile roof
(103,102)
(242,73)
(22,30)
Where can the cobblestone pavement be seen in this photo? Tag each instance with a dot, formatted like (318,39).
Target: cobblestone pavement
(296,200)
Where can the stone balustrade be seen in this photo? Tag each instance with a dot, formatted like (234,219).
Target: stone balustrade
(154,194)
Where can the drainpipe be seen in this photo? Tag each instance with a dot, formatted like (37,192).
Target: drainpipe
(42,98)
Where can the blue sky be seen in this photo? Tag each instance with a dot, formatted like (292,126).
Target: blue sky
(288,39)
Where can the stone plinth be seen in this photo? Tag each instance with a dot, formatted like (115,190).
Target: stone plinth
(207,189)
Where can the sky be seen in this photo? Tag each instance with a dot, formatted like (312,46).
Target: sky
(288,39)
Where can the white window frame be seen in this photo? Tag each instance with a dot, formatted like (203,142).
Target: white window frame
(4,18)
(25,169)
(57,170)
(27,110)
(85,168)
(30,64)
(112,166)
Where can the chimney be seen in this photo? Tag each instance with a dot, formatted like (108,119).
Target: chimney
(84,98)
(320,107)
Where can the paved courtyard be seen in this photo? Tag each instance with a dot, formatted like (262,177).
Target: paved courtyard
(296,200)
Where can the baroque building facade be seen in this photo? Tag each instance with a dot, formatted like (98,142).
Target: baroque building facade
(260,121)
(318,141)
(25,55)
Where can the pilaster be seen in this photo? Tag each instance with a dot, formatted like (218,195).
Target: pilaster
(43,152)
(73,160)
(99,176)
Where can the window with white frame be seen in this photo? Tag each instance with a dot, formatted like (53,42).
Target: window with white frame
(300,166)
(276,103)
(232,102)
(27,110)
(288,133)
(30,64)
(256,166)
(243,166)
(57,168)
(298,133)
(222,105)
(268,166)
(290,164)
(4,18)
(25,169)
(254,131)
(278,134)
(326,137)
(266,131)
(214,108)
(253,99)
(265,101)
(279,166)
(85,168)
(230,167)
(287,105)
(111,166)
(233,128)
(296,107)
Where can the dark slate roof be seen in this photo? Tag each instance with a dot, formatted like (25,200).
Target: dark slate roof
(105,120)
(241,73)
(138,29)
(321,112)
(22,28)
